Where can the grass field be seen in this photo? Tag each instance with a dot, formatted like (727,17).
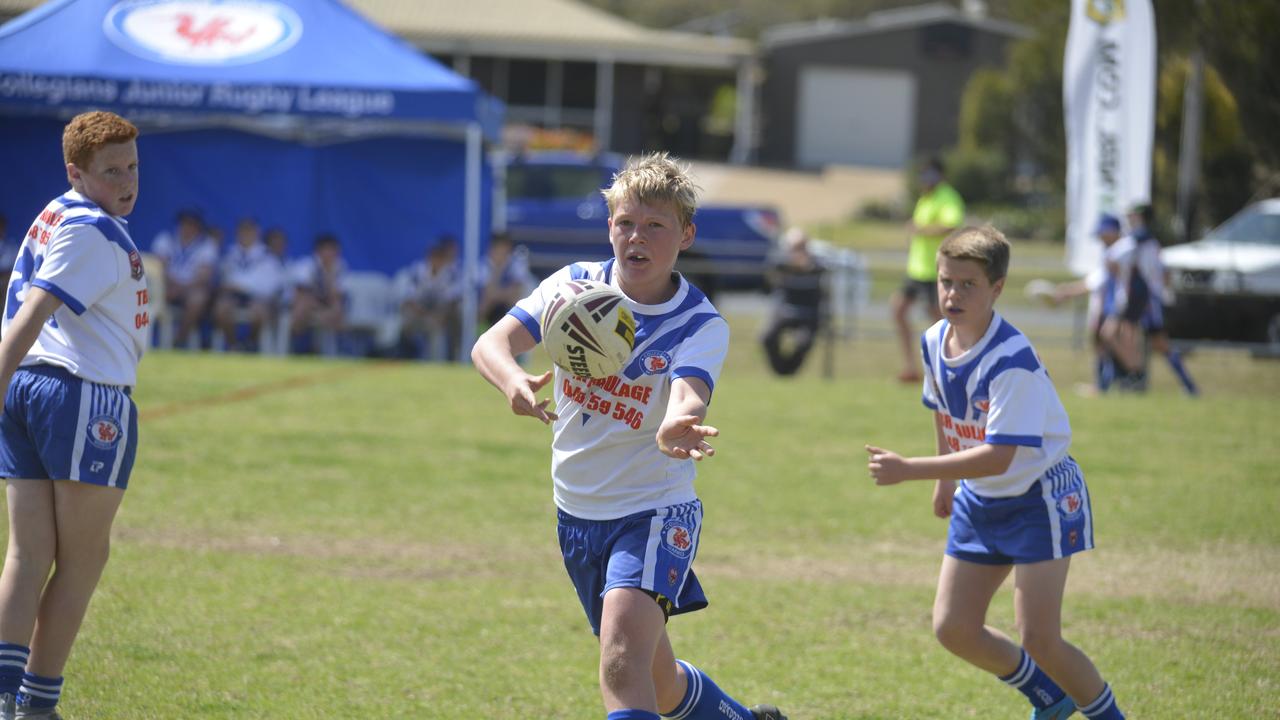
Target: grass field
(312,539)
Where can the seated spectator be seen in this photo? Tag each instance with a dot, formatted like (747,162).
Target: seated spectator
(249,289)
(430,321)
(796,278)
(190,261)
(276,274)
(504,278)
(318,301)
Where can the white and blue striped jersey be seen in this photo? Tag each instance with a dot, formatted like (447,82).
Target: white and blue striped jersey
(86,258)
(254,271)
(239,260)
(183,263)
(996,392)
(431,289)
(605,462)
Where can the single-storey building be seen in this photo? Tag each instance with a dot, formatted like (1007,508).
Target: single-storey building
(877,91)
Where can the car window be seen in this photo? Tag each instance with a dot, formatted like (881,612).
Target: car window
(550,182)
(1250,227)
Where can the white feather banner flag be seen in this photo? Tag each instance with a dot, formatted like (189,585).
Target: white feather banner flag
(1109,97)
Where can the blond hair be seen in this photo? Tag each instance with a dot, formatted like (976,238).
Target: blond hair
(87,132)
(983,244)
(655,178)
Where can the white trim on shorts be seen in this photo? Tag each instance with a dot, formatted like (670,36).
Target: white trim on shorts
(123,446)
(82,422)
(651,550)
(654,541)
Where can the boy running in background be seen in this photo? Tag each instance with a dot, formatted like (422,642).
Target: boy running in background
(1022,505)
(629,519)
(1149,271)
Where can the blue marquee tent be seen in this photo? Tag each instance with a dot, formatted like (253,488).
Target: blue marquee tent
(299,113)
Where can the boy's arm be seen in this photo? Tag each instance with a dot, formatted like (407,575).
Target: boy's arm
(681,435)
(494,355)
(944,491)
(36,308)
(889,468)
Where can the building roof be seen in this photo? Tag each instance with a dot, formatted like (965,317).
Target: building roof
(540,29)
(883,21)
(552,29)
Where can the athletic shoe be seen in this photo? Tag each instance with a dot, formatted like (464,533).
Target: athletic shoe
(26,712)
(769,712)
(1060,710)
(8,703)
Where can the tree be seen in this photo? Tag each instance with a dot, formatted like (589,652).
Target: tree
(1242,95)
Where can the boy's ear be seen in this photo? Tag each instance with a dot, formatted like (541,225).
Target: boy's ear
(690,231)
(73,174)
(997,287)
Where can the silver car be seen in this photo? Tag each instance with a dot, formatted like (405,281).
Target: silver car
(1227,285)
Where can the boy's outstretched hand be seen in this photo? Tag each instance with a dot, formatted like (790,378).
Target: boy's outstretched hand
(523,396)
(681,437)
(887,468)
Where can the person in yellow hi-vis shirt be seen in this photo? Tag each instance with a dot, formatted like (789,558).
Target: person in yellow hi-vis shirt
(939,211)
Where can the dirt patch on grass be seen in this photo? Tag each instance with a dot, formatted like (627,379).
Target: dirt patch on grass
(375,558)
(1219,574)
(253,392)
(1233,575)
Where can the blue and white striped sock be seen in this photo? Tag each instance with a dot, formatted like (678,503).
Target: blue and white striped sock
(1103,707)
(39,692)
(1031,681)
(632,715)
(704,700)
(1175,361)
(1106,373)
(13,662)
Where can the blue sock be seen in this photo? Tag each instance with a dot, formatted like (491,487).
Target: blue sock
(632,715)
(13,662)
(1103,707)
(1031,681)
(704,700)
(1175,361)
(1106,373)
(39,692)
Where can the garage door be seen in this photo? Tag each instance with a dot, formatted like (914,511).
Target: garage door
(855,117)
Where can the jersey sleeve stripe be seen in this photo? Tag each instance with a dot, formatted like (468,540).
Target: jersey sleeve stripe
(696,372)
(76,306)
(1023,440)
(529,322)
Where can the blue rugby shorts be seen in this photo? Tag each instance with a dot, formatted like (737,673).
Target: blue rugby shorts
(57,426)
(651,550)
(1051,520)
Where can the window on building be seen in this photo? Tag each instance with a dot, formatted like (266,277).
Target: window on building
(579,85)
(527,82)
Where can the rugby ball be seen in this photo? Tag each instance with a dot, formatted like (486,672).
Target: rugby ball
(587,329)
(1040,289)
